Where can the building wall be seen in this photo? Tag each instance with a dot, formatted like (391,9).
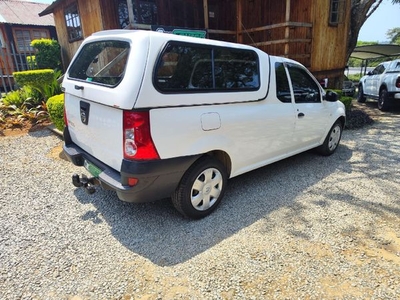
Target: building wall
(301,32)
(91,21)
(329,43)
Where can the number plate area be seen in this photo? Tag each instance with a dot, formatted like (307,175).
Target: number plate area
(94,170)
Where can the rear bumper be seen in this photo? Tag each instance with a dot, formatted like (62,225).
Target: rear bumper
(157,179)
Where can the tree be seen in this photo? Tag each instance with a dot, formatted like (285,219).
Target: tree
(361,10)
(394,35)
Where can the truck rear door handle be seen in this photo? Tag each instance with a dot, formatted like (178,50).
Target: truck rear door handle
(78,87)
(300,115)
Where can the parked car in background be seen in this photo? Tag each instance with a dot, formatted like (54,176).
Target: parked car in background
(382,84)
(153,115)
(349,88)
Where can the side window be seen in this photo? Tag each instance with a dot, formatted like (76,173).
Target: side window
(192,68)
(305,89)
(175,67)
(235,69)
(379,69)
(282,84)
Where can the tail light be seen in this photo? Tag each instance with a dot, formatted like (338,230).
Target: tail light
(398,82)
(65,117)
(138,143)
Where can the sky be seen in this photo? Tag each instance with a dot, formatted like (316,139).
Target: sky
(387,16)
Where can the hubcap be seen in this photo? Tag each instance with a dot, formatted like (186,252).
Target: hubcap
(334,138)
(206,189)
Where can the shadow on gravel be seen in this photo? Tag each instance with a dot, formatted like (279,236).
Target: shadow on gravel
(159,233)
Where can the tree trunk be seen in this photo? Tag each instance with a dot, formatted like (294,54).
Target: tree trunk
(360,12)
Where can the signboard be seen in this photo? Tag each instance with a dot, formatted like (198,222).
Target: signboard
(199,33)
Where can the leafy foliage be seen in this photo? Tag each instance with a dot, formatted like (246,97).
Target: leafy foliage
(19,97)
(347,101)
(35,79)
(15,116)
(55,107)
(394,35)
(48,55)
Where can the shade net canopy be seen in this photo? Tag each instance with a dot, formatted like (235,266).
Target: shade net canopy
(375,51)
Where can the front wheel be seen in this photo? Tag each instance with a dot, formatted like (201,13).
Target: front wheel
(360,96)
(332,139)
(201,189)
(383,101)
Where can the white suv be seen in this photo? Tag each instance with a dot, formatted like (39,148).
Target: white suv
(382,84)
(153,115)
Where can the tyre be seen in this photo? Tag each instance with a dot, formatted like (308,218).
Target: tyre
(360,96)
(383,100)
(332,140)
(201,188)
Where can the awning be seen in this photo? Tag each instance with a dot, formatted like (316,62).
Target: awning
(375,51)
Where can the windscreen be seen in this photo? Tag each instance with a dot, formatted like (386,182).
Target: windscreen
(102,62)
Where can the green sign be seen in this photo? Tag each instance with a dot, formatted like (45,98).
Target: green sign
(199,33)
(194,33)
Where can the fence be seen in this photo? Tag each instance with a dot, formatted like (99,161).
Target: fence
(12,61)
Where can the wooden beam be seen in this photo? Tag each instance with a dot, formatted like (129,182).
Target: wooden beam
(130,14)
(205,9)
(239,27)
(287,29)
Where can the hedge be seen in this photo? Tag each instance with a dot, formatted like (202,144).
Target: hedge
(34,78)
(55,107)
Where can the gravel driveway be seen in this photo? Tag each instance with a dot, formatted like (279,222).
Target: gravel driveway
(309,227)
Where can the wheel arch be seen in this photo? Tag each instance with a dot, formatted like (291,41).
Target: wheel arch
(224,158)
(383,86)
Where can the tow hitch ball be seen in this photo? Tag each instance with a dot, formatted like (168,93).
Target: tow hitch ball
(85,182)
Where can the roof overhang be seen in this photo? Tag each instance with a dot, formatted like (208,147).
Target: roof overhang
(375,51)
(50,8)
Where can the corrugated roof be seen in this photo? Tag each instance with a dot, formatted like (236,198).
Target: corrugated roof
(24,13)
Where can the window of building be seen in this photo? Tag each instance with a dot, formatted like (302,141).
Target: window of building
(73,23)
(336,12)
(123,13)
(282,84)
(192,68)
(24,37)
(2,43)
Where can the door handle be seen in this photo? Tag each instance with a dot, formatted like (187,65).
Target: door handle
(300,115)
(78,87)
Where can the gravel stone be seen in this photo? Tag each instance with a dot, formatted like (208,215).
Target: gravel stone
(308,227)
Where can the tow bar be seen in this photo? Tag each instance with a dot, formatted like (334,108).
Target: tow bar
(87,183)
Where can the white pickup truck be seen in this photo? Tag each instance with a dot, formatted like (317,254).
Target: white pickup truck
(153,115)
(382,84)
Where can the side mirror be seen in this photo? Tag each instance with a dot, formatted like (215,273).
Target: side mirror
(331,96)
(370,73)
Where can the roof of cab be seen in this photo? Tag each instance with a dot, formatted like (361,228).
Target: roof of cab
(131,34)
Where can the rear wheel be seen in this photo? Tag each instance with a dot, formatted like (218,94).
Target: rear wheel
(201,189)
(360,97)
(383,101)
(332,140)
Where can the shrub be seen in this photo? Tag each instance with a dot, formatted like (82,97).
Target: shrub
(55,107)
(48,55)
(54,88)
(347,102)
(31,61)
(19,97)
(36,79)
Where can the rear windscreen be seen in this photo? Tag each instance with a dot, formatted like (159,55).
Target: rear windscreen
(101,62)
